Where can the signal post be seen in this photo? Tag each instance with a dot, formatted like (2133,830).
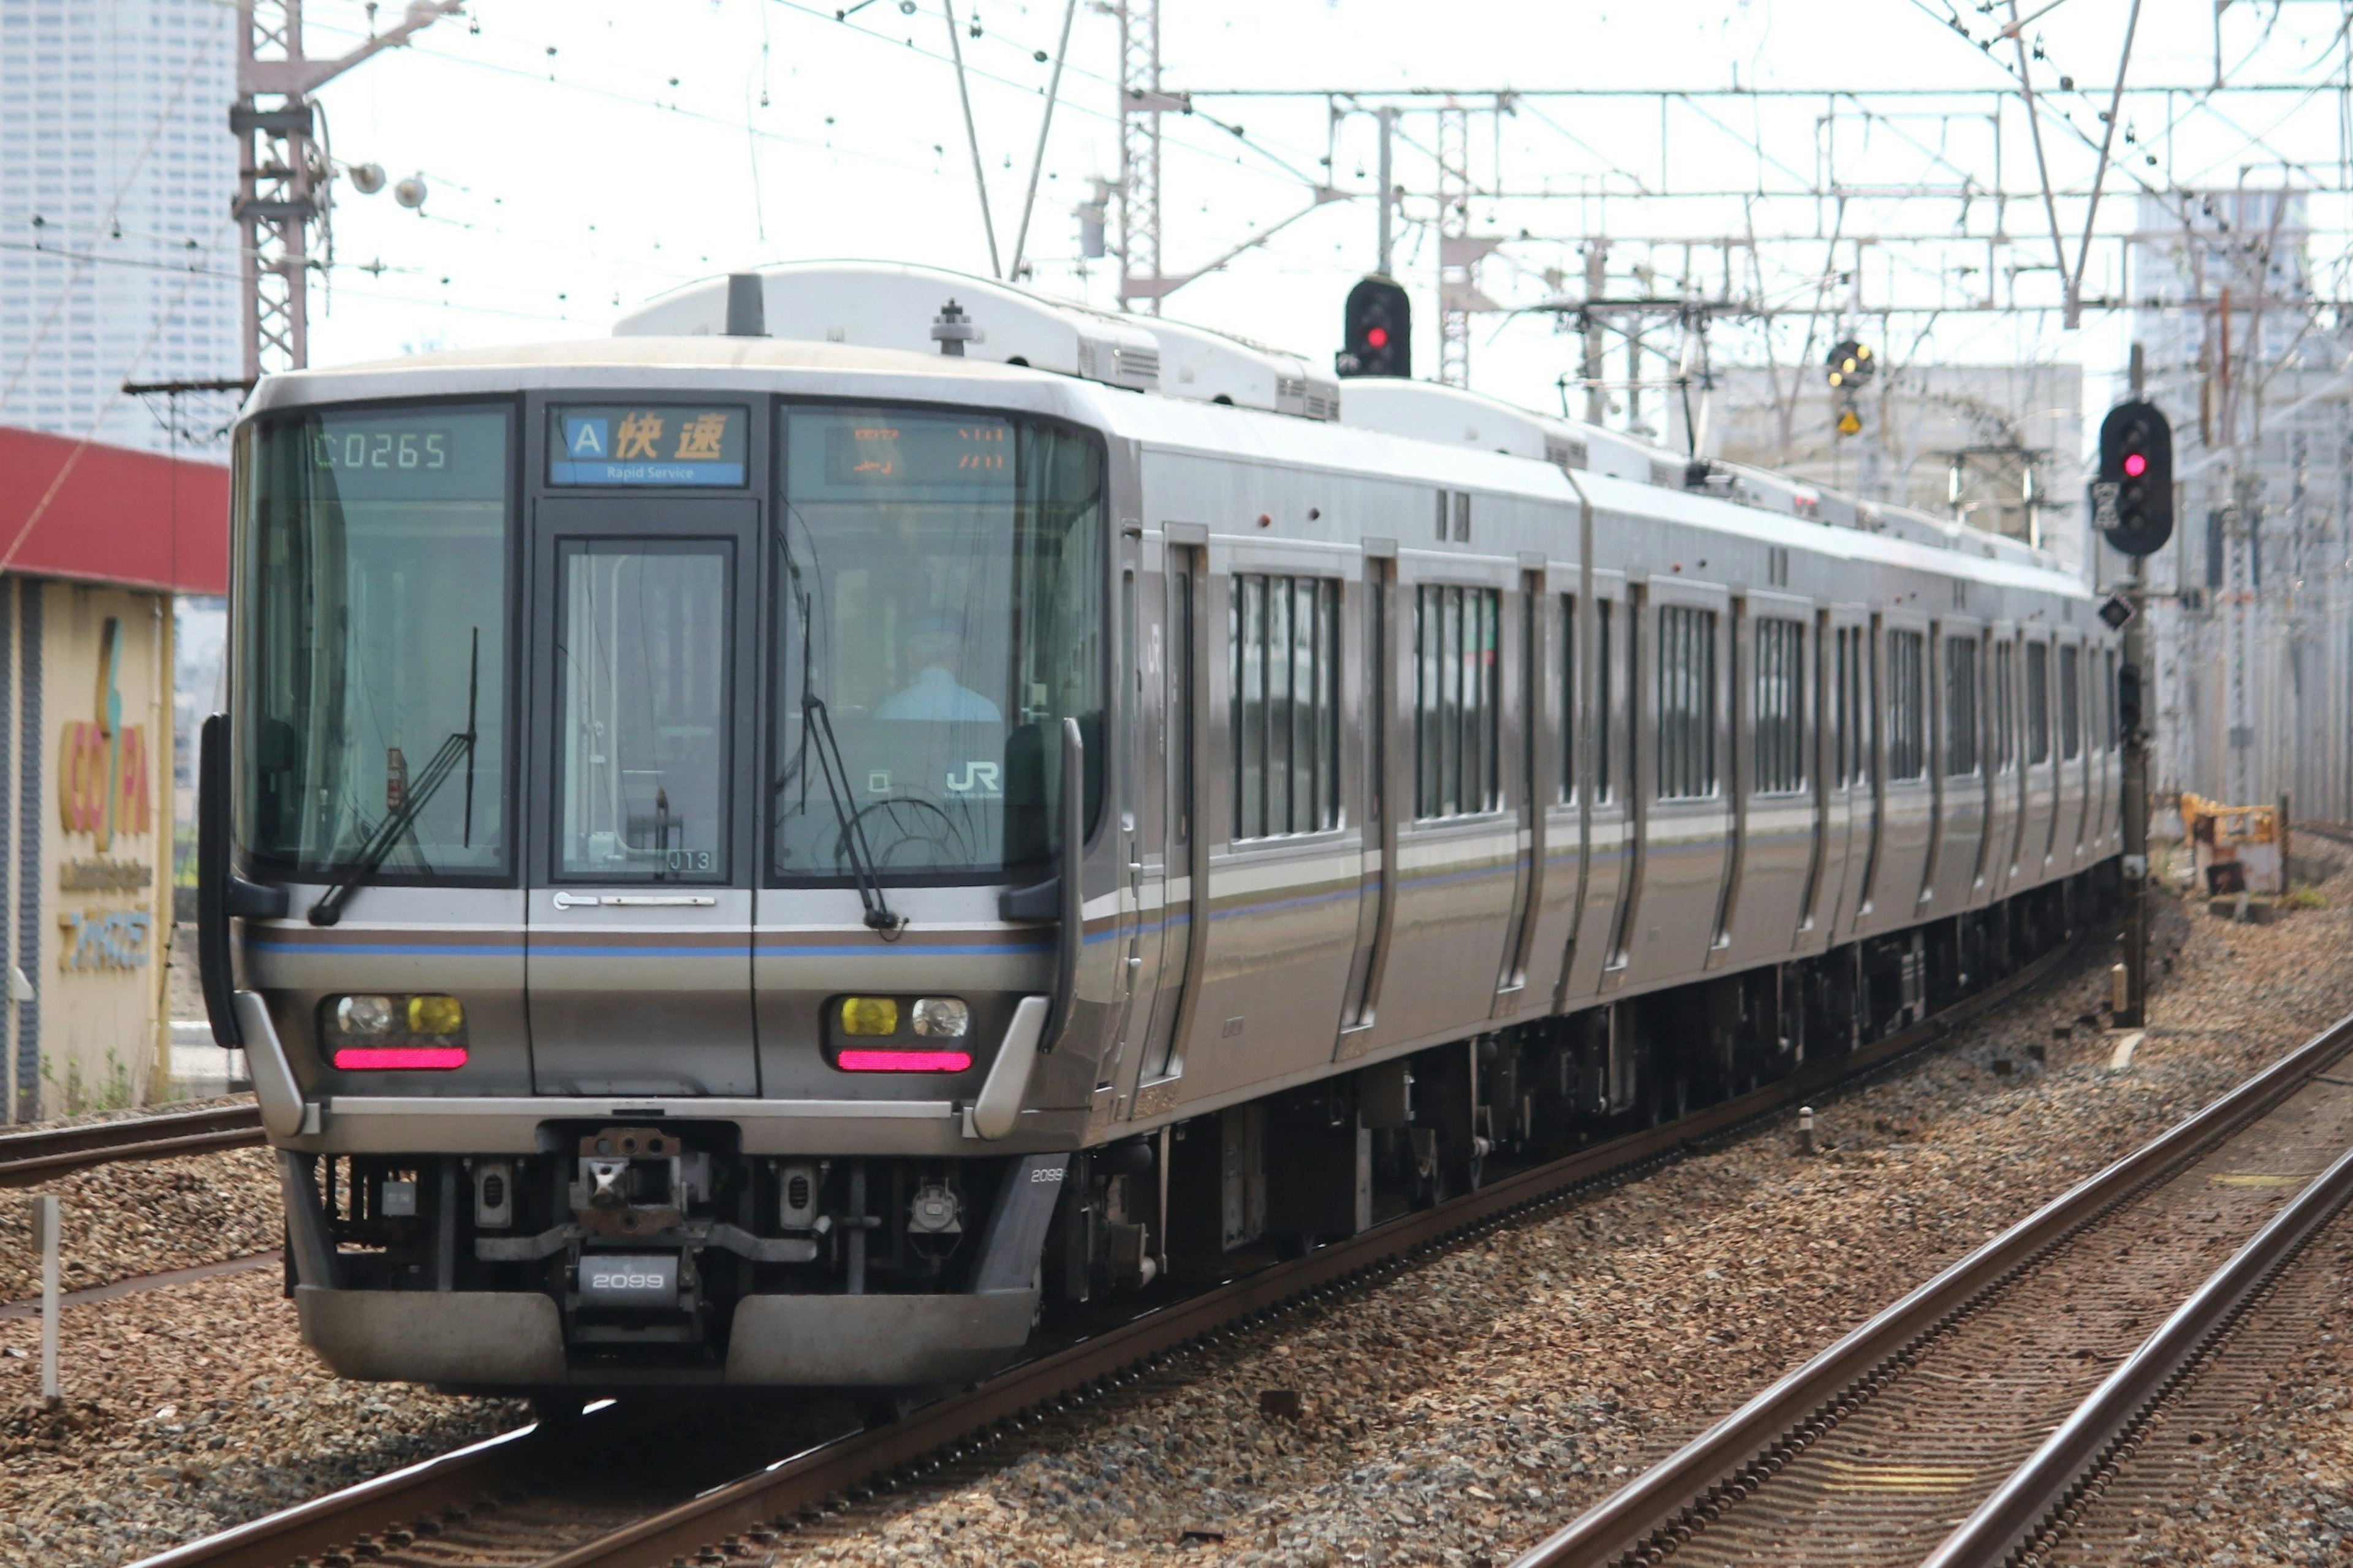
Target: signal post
(2132,505)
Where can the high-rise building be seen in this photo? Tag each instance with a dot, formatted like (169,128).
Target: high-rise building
(118,257)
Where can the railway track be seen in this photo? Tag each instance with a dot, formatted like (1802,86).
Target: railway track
(29,1157)
(544,1497)
(1973,1421)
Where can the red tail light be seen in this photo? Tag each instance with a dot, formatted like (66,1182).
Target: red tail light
(400,1058)
(904,1061)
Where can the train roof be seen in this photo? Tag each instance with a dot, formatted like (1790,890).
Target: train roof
(878,327)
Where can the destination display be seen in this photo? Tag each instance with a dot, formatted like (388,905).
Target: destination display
(878,456)
(619,444)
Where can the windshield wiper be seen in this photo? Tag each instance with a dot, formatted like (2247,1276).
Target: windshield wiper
(816,725)
(413,801)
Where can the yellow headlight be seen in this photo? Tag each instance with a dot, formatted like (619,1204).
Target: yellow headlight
(436,1016)
(869,1015)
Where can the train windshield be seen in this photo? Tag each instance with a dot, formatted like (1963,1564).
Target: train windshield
(941,615)
(373,602)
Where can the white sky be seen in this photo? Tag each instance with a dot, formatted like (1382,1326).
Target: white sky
(586,155)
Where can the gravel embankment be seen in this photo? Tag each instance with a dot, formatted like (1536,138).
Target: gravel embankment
(1451,1414)
(1466,1407)
(145,1216)
(188,1409)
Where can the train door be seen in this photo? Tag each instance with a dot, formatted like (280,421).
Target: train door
(1532,743)
(1830,731)
(2006,810)
(1866,836)
(1602,634)
(1141,858)
(2040,789)
(1685,821)
(1176,686)
(1376,722)
(638,953)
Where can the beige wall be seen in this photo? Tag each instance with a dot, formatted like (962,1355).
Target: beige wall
(105,848)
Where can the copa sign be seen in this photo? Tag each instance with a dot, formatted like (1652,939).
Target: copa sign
(102,764)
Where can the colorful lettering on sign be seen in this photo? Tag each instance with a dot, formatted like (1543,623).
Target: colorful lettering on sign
(102,764)
(105,938)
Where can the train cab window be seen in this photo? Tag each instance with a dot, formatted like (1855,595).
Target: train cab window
(1907,753)
(1961,706)
(645,714)
(373,605)
(1456,700)
(1285,634)
(2038,702)
(2071,703)
(939,614)
(2005,706)
(1687,703)
(1780,707)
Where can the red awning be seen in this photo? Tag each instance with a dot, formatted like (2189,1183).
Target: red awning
(106,514)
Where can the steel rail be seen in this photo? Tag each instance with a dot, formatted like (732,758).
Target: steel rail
(910,1446)
(1723,1463)
(2035,1493)
(29,1157)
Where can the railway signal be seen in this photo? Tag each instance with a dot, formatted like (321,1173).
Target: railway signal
(1377,330)
(1851,364)
(2132,499)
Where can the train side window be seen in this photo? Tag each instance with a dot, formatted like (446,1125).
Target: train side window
(1568,714)
(1455,730)
(1907,755)
(1961,706)
(1686,703)
(1286,704)
(1180,692)
(1842,730)
(1780,707)
(1604,701)
(2038,702)
(2005,704)
(2071,702)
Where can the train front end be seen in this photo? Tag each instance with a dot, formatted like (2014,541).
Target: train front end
(644,856)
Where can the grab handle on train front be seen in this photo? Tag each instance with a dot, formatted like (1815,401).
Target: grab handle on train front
(221,894)
(1072,889)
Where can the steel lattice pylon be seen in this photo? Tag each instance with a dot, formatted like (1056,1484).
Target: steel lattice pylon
(1454,272)
(284,180)
(1140,102)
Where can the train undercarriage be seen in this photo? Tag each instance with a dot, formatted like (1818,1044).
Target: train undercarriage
(642,1253)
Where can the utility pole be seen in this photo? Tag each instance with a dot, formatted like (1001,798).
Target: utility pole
(2133,1014)
(1597,281)
(1388,193)
(283,178)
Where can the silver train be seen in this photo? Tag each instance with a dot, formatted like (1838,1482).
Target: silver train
(778,848)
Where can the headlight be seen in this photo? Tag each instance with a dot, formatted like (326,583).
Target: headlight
(870,1017)
(371,1032)
(940,1017)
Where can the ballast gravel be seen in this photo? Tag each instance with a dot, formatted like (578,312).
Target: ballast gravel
(1464,1408)
(145,1216)
(1454,1413)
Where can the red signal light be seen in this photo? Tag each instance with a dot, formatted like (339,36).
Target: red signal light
(1377,337)
(2135,464)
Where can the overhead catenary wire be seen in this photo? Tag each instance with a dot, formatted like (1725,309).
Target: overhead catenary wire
(972,135)
(1045,124)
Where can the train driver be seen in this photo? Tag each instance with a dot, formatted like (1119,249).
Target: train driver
(935,646)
